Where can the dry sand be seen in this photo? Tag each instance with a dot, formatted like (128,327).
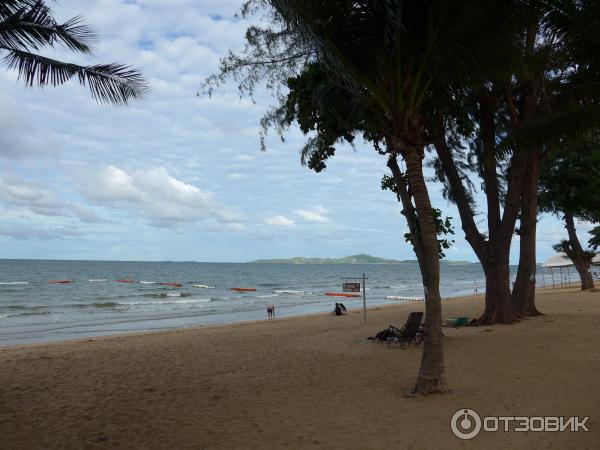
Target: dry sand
(308,382)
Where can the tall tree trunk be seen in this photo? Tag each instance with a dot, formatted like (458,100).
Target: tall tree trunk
(523,294)
(432,377)
(498,305)
(493,253)
(577,254)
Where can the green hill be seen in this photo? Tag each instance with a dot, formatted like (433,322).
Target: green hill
(353,259)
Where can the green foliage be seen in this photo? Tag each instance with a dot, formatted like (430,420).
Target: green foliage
(29,25)
(566,247)
(570,181)
(594,241)
(443,227)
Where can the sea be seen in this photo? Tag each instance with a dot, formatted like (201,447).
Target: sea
(32,310)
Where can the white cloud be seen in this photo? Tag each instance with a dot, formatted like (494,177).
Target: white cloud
(317,214)
(28,232)
(154,195)
(17,192)
(279,221)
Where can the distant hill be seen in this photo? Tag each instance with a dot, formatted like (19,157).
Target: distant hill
(354,259)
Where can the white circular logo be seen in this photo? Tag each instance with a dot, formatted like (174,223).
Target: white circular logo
(465,423)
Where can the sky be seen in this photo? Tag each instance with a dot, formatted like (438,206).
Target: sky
(179,176)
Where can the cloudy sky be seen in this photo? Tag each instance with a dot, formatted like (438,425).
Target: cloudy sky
(181,177)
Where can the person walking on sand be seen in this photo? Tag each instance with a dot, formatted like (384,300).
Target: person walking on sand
(271,311)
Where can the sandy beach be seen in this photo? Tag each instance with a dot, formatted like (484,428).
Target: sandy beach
(306,382)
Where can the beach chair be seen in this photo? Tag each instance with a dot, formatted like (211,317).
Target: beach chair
(408,333)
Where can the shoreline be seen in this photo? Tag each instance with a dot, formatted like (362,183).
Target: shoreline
(108,334)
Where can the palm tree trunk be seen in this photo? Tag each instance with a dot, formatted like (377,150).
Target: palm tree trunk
(432,377)
(577,254)
(523,294)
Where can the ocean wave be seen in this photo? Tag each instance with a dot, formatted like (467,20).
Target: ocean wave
(23,307)
(168,294)
(171,300)
(105,304)
(27,313)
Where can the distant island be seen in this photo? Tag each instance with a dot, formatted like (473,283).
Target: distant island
(353,259)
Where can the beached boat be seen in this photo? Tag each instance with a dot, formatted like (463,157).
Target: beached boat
(239,289)
(61,281)
(341,294)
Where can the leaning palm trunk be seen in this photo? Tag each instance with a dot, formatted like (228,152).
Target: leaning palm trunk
(432,376)
(421,225)
(523,294)
(574,250)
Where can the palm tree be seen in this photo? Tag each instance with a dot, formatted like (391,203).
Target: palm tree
(404,60)
(27,26)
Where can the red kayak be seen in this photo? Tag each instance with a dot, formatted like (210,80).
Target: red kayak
(124,281)
(244,289)
(171,284)
(341,294)
(61,281)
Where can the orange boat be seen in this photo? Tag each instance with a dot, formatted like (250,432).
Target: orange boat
(341,294)
(124,281)
(171,284)
(244,289)
(61,281)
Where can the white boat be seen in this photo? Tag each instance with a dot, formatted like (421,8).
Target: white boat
(202,286)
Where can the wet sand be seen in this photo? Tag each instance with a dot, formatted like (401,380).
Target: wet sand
(306,382)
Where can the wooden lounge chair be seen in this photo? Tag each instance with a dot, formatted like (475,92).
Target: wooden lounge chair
(408,333)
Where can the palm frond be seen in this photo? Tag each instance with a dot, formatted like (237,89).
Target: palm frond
(108,83)
(568,125)
(33,26)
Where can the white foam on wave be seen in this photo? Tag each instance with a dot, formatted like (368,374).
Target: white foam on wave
(267,295)
(287,291)
(169,299)
(97,279)
(147,282)
(406,299)
(202,286)
(13,283)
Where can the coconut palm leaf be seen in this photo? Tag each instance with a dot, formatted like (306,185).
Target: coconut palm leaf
(33,26)
(108,83)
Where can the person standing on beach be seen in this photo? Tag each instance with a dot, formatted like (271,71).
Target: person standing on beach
(271,311)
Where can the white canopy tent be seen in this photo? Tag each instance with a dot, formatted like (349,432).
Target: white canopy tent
(562,264)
